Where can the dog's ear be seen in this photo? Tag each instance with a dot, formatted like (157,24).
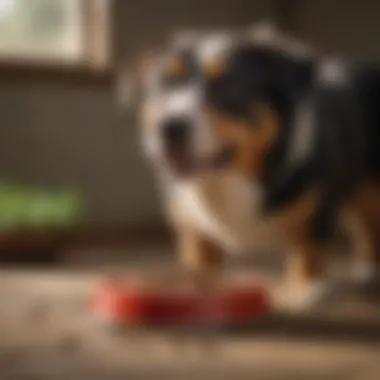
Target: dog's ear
(270,35)
(131,78)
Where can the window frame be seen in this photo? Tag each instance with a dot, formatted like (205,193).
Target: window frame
(94,63)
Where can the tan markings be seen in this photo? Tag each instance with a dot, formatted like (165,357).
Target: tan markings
(362,219)
(197,253)
(178,68)
(305,260)
(363,244)
(305,256)
(296,217)
(368,201)
(251,140)
(215,68)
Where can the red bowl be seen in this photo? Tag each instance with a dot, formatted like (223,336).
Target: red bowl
(128,301)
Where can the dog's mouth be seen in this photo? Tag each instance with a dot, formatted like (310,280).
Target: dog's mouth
(183,163)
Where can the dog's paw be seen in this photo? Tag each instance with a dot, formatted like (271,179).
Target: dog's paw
(298,298)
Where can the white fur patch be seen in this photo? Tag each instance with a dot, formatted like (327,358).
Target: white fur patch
(303,136)
(267,34)
(191,197)
(228,214)
(180,102)
(333,71)
(301,298)
(152,145)
(214,47)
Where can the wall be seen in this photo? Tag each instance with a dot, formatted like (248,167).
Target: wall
(351,27)
(53,134)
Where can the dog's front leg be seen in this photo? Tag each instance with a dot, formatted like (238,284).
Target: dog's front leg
(200,257)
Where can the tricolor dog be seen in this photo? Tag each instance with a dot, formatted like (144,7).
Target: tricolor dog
(256,138)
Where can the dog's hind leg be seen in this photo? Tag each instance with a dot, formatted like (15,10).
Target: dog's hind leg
(363,224)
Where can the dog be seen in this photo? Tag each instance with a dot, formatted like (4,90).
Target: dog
(257,138)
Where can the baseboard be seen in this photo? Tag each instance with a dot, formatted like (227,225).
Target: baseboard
(48,245)
(119,235)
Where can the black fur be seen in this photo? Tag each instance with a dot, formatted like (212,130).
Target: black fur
(346,120)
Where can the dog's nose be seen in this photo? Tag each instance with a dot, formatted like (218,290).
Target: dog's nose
(175,132)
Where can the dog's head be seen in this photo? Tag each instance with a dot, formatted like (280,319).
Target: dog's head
(220,101)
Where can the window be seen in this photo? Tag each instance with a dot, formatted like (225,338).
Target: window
(58,32)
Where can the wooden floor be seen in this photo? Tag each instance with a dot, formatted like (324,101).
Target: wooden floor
(47,332)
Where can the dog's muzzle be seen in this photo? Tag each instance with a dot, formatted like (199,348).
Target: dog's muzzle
(180,154)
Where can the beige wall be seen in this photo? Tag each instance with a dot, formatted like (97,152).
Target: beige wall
(52,135)
(351,27)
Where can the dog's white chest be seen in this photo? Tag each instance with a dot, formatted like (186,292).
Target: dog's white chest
(225,208)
